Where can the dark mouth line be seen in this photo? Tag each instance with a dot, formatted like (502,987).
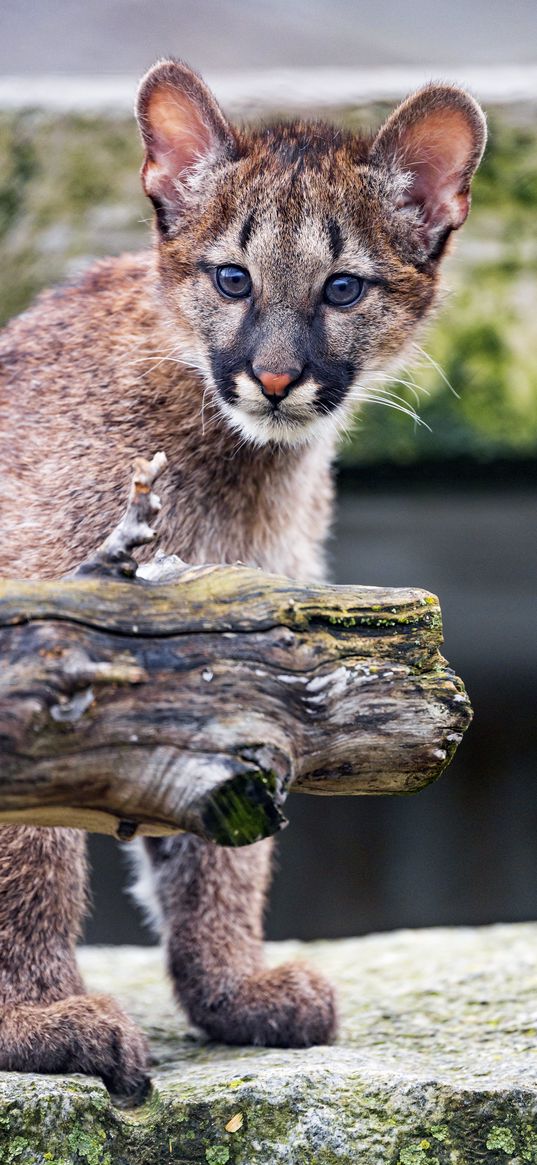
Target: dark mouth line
(303,411)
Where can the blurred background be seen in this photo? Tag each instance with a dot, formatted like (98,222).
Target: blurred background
(451,507)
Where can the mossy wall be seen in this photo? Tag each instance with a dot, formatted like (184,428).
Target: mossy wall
(69,192)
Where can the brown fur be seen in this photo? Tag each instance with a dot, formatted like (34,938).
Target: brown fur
(215,955)
(47,1023)
(142,354)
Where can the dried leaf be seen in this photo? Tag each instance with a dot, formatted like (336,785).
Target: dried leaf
(235,1123)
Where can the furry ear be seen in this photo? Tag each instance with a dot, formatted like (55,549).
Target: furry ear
(181,125)
(437,136)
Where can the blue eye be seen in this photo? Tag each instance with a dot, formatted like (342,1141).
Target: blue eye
(343,290)
(233,282)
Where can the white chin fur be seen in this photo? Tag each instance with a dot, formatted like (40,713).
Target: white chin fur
(283,428)
(264,430)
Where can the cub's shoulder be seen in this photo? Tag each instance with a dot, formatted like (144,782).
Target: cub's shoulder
(83,307)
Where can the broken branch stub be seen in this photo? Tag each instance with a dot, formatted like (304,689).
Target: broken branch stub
(114,555)
(195,703)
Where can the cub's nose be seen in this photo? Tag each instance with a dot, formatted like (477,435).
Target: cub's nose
(276,384)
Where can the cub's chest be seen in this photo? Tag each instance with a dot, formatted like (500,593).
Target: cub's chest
(223,520)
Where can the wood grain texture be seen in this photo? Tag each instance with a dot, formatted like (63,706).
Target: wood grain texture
(128,706)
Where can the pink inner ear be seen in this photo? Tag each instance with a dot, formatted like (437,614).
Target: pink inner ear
(177,137)
(437,150)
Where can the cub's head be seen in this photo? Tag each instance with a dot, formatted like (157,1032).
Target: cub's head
(296,259)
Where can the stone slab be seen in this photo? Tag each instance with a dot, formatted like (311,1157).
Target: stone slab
(436,1064)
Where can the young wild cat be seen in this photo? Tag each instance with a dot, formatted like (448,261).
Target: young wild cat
(289,262)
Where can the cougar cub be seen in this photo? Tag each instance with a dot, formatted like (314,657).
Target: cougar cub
(289,261)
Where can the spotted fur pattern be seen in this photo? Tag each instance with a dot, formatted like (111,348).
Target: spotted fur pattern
(144,353)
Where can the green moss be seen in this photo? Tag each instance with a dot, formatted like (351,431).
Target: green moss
(440,1132)
(528,1146)
(417,1155)
(16,1149)
(501,1138)
(245,809)
(88,1147)
(219,1155)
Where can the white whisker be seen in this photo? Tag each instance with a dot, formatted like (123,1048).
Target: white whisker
(202,410)
(438,368)
(414,388)
(378,397)
(158,357)
(389,392)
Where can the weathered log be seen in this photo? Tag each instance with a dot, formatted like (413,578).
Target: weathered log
(195,703)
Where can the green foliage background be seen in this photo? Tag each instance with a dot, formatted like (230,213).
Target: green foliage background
(69,192)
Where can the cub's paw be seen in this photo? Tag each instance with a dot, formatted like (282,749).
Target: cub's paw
(291,1006)
(83,1033)
(114,1048)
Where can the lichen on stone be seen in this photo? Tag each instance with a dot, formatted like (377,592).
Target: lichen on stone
(501,1138)
(219,1155)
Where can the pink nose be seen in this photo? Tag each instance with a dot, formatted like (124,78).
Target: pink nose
(274,383)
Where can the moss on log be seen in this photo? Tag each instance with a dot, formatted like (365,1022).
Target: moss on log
(129,706)
(435,1066)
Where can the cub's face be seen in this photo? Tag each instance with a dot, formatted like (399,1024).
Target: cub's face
(296,281)
(296,260)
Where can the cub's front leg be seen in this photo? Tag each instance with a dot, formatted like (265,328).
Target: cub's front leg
(47,1022)
(210,901)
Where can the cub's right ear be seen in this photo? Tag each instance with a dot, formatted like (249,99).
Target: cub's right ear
(182,126)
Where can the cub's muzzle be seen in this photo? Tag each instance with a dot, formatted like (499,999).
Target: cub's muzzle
(276,385)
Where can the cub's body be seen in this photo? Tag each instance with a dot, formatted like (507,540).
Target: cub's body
(290,263)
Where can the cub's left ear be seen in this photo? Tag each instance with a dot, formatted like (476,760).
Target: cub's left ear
(437,136)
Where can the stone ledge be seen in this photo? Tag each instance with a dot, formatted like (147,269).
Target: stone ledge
(436,1065)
